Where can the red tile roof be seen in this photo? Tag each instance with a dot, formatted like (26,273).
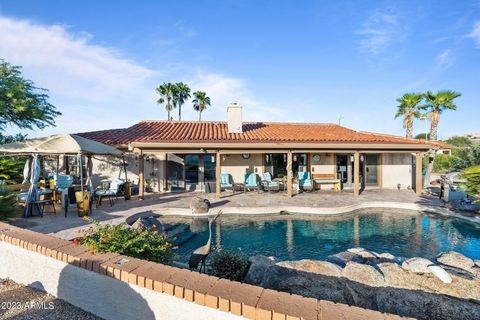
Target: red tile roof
(253,132)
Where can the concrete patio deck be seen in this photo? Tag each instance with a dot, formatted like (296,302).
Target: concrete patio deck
(172,203)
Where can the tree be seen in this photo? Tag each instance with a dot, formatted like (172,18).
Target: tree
(458,141)
(168,93)
(21,103)
(182,95)
(200,102)
(408,108)
(435,104)
(423,136)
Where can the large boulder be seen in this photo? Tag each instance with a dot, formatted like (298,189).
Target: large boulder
(417,265)
(456,260)
(259,266)
(199,205)
(342,258)
(313,266)
(363,273)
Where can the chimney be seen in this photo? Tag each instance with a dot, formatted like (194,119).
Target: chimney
(234,118)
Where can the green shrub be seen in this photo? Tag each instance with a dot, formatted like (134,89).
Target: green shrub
(229,265)
(139,243)
(11,169)
(472,175)
(442,163)
(8,204)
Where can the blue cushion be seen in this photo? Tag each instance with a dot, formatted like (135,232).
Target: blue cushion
(62,181)
(251,180)
(225,180)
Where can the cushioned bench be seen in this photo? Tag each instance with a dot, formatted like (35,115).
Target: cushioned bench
(326,178)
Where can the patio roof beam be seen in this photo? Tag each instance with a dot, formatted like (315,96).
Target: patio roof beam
(356,173)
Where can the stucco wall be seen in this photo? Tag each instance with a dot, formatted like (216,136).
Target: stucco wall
(397,169)
(101,295)
(325,165)
(237,166)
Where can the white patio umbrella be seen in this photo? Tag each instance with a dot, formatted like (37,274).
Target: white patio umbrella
(32,192)
(26,171)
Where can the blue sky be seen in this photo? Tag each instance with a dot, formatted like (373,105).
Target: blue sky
(305,61)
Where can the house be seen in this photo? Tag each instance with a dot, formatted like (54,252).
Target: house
(441,147)
(188,155)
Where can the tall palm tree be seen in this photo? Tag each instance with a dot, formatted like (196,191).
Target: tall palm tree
(167,92)
(435,104)
(408,108)
(200,102)
(183,94)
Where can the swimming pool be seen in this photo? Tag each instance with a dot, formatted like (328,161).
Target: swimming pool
(294,236)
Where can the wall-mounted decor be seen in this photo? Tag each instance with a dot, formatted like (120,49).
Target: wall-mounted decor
(316,158)
(245,155)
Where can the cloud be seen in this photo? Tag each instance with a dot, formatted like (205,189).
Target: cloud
(97,87)
(224,90)
(445,59)
(378,31)
(475,34)
(69,64)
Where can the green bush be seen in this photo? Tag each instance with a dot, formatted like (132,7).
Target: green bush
(138,243)
(11,169)
(8,204)
(472,175)
(442,163)
(229,265)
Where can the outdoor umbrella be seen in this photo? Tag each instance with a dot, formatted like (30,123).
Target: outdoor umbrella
(32,192)
(26,171)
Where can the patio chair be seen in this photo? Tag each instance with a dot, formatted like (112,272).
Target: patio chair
(251,182)
(226,182)
(114,190)
(305,183)
(268,184)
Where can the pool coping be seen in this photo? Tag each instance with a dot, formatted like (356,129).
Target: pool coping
(327,211)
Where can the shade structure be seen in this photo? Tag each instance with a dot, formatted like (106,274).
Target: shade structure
(32,192)
(59,144)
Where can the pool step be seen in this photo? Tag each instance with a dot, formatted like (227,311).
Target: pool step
(182,238)
(177,230)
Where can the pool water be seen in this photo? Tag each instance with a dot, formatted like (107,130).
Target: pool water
(293,237)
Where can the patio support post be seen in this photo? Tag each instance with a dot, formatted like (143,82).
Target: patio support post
(218,171)
(289,175)
(356,173)
(141,176)
(165,172)
(418,173)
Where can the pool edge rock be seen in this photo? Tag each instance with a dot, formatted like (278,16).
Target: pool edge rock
(375,284)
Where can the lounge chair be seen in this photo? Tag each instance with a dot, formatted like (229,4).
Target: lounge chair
(268,184)
(251,182)
(226,182)
(115,189)
(305,183)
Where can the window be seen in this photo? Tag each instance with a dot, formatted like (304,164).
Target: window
(191,168)
(209,167)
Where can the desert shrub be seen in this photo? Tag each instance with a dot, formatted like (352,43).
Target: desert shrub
(229,265)
(472,176)
(141,243)
(8,204)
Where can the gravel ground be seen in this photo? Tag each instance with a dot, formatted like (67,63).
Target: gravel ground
(20,302)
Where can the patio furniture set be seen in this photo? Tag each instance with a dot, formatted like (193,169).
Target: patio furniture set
(303,182)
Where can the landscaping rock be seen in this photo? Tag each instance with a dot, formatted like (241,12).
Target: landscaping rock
(199,205)
(259,265)
(342,258)
(440,273)
(456,260)
(313,266)
(363,273)
(417,265)
(386,257)
(364,253)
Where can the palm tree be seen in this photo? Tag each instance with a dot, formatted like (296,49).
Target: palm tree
(183,94)
(167,92)
(408,108)
(200,102)
(435,104)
